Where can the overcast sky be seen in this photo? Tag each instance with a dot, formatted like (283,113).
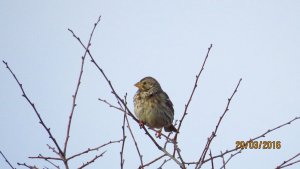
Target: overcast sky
(254,40)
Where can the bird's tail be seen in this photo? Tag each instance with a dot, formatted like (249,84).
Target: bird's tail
(170,128)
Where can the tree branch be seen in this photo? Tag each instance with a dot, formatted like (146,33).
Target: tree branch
(61,153)
(94,149)
(194,89)
(286,163)
(91,161)
(213,135)
(6,160)
(77,87)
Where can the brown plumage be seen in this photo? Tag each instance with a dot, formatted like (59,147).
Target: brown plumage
(152,105)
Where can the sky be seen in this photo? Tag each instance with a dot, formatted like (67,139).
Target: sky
(257,41)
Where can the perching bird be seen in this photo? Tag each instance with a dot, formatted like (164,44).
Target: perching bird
(152,106)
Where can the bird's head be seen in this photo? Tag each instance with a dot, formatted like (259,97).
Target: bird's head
(147,83)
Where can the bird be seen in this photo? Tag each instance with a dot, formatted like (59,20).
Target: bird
(153,107)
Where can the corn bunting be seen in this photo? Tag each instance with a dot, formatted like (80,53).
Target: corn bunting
(152,106)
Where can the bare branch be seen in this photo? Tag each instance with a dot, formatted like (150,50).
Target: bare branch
(91,161)
(292,163)
(212,161)
(62,155)
(213,135)
(165,161)
(123,142)
(270,130)
(53,149)
(231,156)
(94,149)
(223,160)
(28,166)
(132,136)
(6,160)
(110,105)
(194,89)
(46,158)
(54,165)
(287,162)
(153,161)
(77,87)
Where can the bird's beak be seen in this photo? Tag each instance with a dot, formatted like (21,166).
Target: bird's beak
(138,85)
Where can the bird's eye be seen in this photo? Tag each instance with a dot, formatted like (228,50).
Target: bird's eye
(144,83)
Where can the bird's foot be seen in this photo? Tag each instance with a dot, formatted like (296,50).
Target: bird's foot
(141,124)
(158,134)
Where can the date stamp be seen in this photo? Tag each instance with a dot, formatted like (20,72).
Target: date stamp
(258,144)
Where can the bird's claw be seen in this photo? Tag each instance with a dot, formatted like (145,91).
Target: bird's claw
(158,134)
(141,124)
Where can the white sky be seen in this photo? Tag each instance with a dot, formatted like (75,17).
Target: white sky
(254,40)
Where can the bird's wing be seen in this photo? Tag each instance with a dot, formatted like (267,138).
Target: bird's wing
(168,102)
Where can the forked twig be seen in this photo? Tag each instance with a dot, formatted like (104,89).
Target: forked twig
(61,153)
(231,156)
(165,161)
(213,135)
(94,149)
(77,87)
(188,103)
(194,89)
(153,161)
(223,161)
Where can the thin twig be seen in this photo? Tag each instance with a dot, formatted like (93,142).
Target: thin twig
(223,161)
(194,89)
(165,161)
(110,105)
(46,158)
(292,163)
(135,143)
(151,162)
(213,135)
(53,149)
(94,149)
(28,166)
(231,156)
(286,163)
(132,136)
(123,142)
(56,166)
(6,160)
(212,161)
(91,161)
(189,101)
(62,155)
(77,87)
